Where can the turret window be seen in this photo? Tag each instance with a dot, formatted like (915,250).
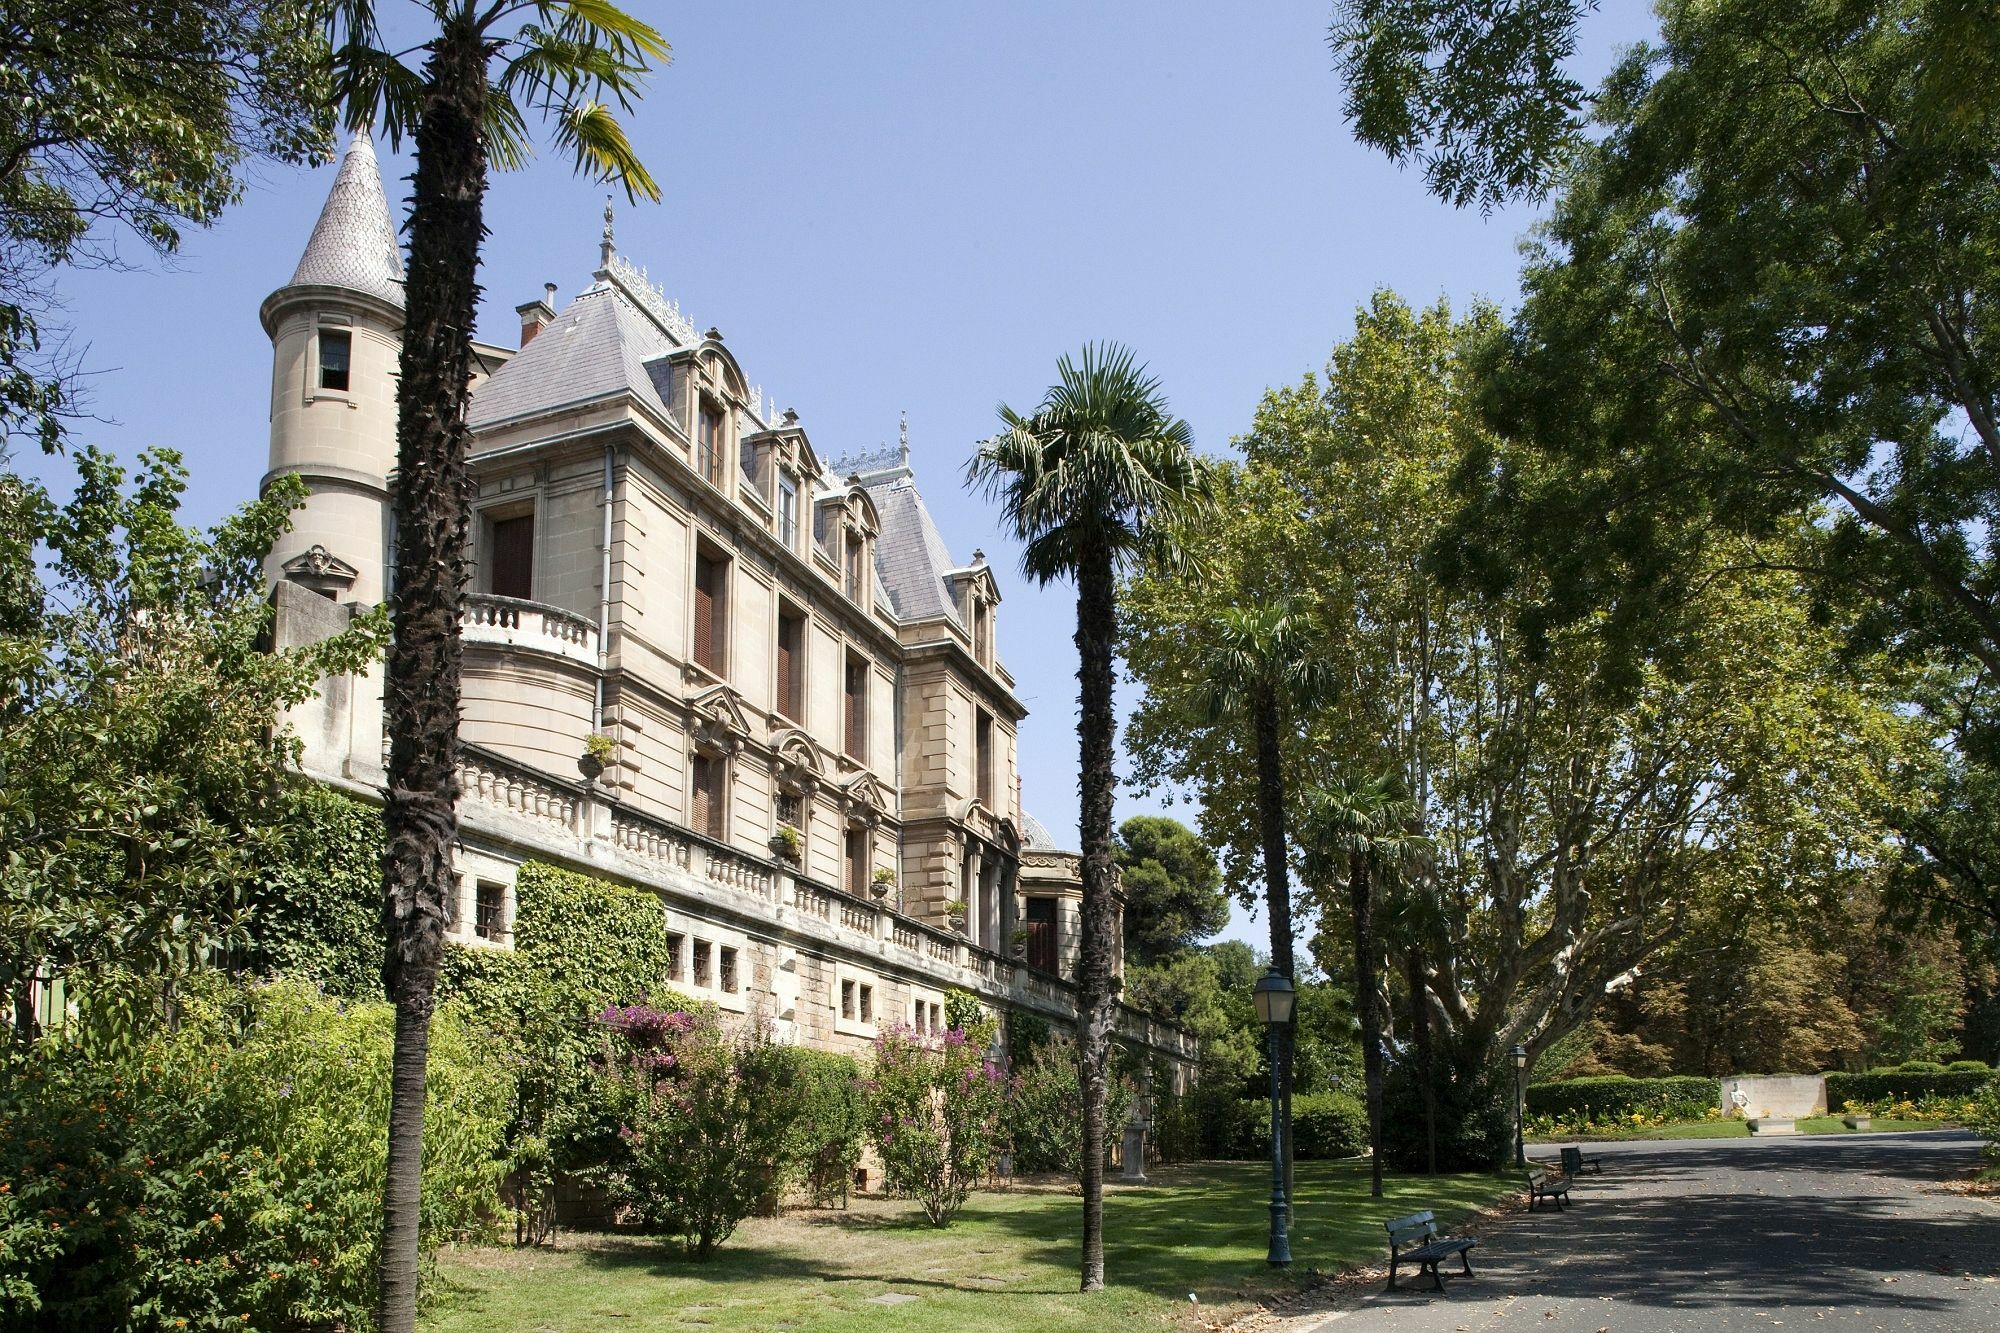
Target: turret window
(336,349)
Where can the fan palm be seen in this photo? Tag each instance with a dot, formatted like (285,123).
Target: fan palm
(1357,834)
(466,108)
(1092,482)
(1266,665)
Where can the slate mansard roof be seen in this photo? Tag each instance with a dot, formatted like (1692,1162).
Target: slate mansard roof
(353,244)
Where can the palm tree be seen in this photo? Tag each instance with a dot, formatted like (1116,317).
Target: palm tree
(1265,666)
(1357,833)
(466,108)
(1093,481)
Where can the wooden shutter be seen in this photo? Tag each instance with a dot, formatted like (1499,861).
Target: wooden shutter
(857,862)
(788,680)
(514,557)
(1042,934)
(856,685)
(706,806)
(708,611)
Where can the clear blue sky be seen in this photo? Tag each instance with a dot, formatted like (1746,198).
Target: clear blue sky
(906,207)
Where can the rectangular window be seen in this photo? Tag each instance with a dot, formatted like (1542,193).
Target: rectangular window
(711,610)
(701,957)
(706,805)
(855,712)
(982,756)
(749,458)
(857,862)
(853,563)
(675,943)
(791,810)
(1042,934)
(791,664)
(511,545)
(868,1004)
(788,512)
(709,444)
(847,999)
(981,618)
(336,349)
(489,920)
(726,970)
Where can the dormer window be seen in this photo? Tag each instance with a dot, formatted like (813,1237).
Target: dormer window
(709,443)
(982,631)
(336,350)
(853,564)
(788,511)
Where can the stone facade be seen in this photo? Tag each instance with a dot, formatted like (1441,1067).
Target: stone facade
(808,736)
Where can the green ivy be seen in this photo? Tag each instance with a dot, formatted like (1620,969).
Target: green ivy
(317,912)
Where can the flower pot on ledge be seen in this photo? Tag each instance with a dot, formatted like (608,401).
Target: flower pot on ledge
(879,889)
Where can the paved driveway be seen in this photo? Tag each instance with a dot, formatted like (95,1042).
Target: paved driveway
(1824,1233)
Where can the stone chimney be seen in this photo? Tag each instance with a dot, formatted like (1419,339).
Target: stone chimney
(535,314)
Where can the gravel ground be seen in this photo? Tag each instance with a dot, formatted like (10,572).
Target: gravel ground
(1848,1233)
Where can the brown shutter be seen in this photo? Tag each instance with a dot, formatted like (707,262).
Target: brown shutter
(698,816)
(854,685)
(514,557)
(788,635)
(708,611)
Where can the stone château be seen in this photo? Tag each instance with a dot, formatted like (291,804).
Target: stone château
(700,658)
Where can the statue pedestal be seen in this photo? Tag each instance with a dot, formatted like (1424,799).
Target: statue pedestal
(1134,1155)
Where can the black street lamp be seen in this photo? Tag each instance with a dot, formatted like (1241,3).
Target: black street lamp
(1274,997)
(1520,1054)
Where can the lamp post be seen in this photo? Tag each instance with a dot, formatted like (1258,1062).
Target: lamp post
(1274,997)
(1520,1054)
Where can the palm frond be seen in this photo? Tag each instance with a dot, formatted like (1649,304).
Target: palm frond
(603,153)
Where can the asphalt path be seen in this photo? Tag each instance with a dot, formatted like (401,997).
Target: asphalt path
(1828,1232)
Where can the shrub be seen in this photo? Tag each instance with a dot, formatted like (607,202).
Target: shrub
(702,1121)
(822,1143)
(1882,1089)
(934,1111)
(1983,1118)
(1473,1103)
(230,1172)
(1325,1125)
(1920,1067)
(1615,1097)
(1968,1067)
(1045,1112)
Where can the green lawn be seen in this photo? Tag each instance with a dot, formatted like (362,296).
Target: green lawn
(1736,1129)
(1008,1263)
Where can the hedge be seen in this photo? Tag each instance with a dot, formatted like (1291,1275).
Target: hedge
(1679,1096)
(1325,1125)
(1902,1085)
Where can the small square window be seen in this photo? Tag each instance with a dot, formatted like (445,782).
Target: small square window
(847,999)
(336,349)
(791,810)
(726,970)
(674,969)
(701,967)
(489,919)
(868,1004)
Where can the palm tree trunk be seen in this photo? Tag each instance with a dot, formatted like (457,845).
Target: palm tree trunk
(1361,890)
(1096,632)
(421,694)
(1278,900)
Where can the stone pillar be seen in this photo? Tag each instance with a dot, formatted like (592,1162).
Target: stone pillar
(1134,1153)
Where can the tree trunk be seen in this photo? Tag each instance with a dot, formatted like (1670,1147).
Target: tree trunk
(1277,900)
(1420,1036)
(1362,893)
(421,693)
(1096,632)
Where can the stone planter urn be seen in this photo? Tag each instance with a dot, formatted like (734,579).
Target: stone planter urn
(590,766)
(879,889)
(956,920)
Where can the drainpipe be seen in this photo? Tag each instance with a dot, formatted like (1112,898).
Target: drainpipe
(896,714)
(604,600)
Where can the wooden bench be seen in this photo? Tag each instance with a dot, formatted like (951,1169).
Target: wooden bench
(1415,1240)
(1574,1162)
(1542,1185)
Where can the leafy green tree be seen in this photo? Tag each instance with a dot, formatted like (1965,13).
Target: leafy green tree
(1173,887)
(131,120)
(1474,90)
(144,764)
(465,109)
(1094,482)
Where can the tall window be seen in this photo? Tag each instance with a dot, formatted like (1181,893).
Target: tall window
(705,799)
(853,579)
(791,664)
(511,548)
(982,620)
(711,611)
(857,861)
(983,756)
(854,688)
(336,349)
(788,511)
(749,459)
(708,443)
(1042,934)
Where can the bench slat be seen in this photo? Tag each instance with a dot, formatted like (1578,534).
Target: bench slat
(1413,1220)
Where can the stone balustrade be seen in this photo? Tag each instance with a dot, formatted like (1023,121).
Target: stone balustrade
(515,623)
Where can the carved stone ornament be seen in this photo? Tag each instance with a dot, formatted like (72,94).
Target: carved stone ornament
(321,570)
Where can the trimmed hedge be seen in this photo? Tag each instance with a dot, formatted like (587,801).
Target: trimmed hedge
(1680,1096)
(1903,1085)
(1325,1125)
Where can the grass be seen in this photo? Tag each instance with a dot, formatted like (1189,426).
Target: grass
(1009,1262)
(1735,1129)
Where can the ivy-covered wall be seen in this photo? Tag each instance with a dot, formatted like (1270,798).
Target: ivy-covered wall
(317,912)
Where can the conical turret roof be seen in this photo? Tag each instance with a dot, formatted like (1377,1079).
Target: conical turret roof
(354,243)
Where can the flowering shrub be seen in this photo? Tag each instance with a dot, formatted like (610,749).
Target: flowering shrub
(229,1174)
(702,1120)
(1044,1116)
(935,1108)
